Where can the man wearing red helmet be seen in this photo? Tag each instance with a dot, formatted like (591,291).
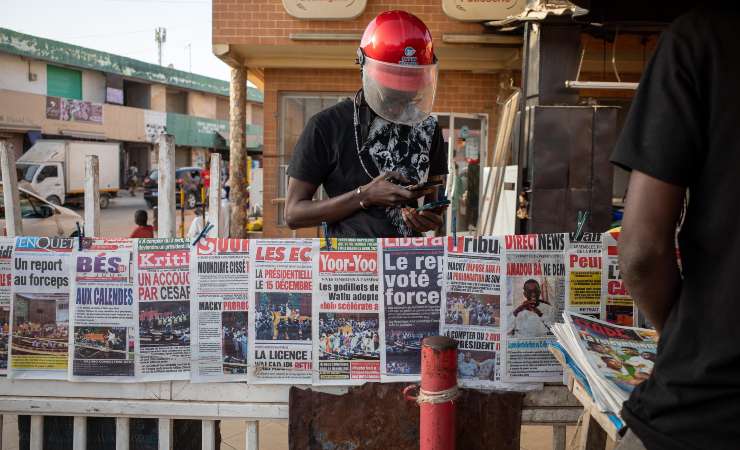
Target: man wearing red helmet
(366,151)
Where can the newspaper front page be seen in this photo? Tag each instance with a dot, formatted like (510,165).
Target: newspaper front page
(583,277)
(6,283)
(619,358)
(102,314)
(163,298)
(535,299)
(346,342)
(411,279)
(220,283)
(280,311)
(471,313)
(40,307)
(617,306)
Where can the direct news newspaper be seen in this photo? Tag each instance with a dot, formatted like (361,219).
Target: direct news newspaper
(219,272)
(411,278)
(40,308)
(280,311)
(471,312)
(346,297)
(534,300)
(102,313)
(163,296)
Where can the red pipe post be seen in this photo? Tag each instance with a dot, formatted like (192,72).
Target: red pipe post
(438,379)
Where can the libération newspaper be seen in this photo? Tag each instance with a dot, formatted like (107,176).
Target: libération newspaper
(471,312)
(6,282)
(534,300)
(40,308)
(617,306)
(411,278)
(162,272)
(346,342)
(583,280)
(219,272)
(102,312)
(280,311)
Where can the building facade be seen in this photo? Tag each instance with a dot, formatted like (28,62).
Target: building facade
(303,53)
(49,89)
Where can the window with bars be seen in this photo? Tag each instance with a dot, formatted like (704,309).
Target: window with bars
(294,110)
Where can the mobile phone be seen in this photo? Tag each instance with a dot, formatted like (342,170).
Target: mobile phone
(433,205)
(425,185)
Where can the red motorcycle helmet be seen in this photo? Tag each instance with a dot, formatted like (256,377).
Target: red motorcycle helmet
(399,69)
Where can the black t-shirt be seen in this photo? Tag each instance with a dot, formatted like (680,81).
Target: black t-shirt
(683,129)
(326,154)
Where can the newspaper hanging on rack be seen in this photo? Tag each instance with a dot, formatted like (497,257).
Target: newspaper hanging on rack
(163,297)
(471,313)
(280,311)
(346,342)
(535,299)
(102,312)
(219,271)
(40,309)
(583,274)
(411,278)
(6,282)
(617,306)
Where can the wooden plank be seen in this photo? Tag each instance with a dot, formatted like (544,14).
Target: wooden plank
(165,434)
(593,436)
(92,196)
(166,187)
(37,433)
(551,396)
(142,408)
(49,388)
(13,218)
(558,437)
(240,392)
(607,425)
(546,416)
(252,437)
(214,196)
(79,433)
(208,435)
(491,39)
(123,433)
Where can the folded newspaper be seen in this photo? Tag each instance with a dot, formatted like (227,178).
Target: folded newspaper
(613,358)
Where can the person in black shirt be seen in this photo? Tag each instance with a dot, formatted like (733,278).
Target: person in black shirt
(368,150)
(681,143)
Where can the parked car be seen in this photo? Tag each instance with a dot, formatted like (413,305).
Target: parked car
(41,218)
(188,178)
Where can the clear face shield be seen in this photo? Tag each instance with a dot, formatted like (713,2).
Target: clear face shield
(399,93)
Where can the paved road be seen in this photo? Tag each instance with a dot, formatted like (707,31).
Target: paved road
(118,219)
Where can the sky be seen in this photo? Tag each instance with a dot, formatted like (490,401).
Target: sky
(124,27)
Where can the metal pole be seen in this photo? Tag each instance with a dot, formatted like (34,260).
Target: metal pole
(166,186)
(13,218)
(214,196)
(92,196)
(437,394)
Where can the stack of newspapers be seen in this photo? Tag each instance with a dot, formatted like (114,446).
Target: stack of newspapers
(613,359)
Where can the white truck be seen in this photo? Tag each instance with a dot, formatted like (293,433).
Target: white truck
(55,170)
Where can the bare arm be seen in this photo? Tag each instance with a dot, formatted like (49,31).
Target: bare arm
(302,211)
(647,248)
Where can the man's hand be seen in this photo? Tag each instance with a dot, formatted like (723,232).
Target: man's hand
(383,192)
(423,221)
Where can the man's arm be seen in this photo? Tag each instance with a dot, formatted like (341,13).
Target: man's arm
(302,211)
(647,246)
